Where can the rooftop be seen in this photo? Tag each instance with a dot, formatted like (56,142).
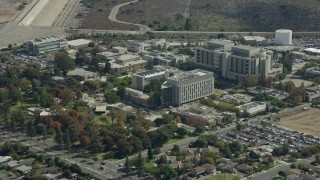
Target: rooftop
(79,42)
(254,38)
(47,40)
(187,75)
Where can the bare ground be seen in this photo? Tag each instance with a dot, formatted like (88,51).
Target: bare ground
(93,14)
(9,9)
(307,121)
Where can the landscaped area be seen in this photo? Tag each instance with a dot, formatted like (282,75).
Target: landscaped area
(223,176)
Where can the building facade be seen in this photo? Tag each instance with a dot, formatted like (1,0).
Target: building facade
(41,46)
(141,79)
(135,46)
(234,62)
(186,87)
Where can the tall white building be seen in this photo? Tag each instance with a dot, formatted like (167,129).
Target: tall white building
(187,86)
(283,37)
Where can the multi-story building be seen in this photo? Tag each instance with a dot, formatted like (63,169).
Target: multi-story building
(234,62)
(127,63)
(141,79)
(188,86)
(247,60)
(213,56)
(41,46)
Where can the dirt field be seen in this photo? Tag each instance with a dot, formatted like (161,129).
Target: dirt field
(93,14)
(9,9)
(151,12)
(222,15)
(307,121)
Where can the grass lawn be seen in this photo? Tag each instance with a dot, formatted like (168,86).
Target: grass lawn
(218,92)
(222,177)
(277,163)
(174,140)
(150,164)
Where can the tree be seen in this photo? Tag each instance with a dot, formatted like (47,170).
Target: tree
(10,46)
(80,58)
(139,164)
(150,152)
(166,172)
(111,97)
(178,120)
(67,141)
(95,143)
(63,62)
(121,92)
(107,67)
(188,24)
(182,132)
(250,81)
(59,137)
(127,166)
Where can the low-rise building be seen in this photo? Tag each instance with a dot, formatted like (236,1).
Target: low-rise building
(135,46)
(127,63)
(312,72)
(237,98)
(253,108)
(79,43)
(141,79)
(312,93)
(41,46)
(137,97)
(254,40)
(82,73)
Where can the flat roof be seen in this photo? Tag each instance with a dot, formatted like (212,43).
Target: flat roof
(313,50)
(245,47)
(182,76)
(79,42)
(257,38)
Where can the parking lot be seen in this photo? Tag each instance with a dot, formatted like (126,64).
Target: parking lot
(273,134)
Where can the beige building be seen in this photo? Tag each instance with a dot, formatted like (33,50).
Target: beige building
(135,46)
(127,63)
(234,62)
(141,79)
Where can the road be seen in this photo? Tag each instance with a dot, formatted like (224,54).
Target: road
(84,160)
(114,12)
(274,171)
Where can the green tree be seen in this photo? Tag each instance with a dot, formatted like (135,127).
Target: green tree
(107,67)
(63,62)
(188,24)
(59,137)
(127,166)
(139,164)
(150,152)
(111,97)
(67,141)
(166,172)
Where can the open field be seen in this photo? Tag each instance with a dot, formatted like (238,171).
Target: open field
(307,121)
(155,12)
(221,15)
(93,14)
(255,15)
(9,9)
